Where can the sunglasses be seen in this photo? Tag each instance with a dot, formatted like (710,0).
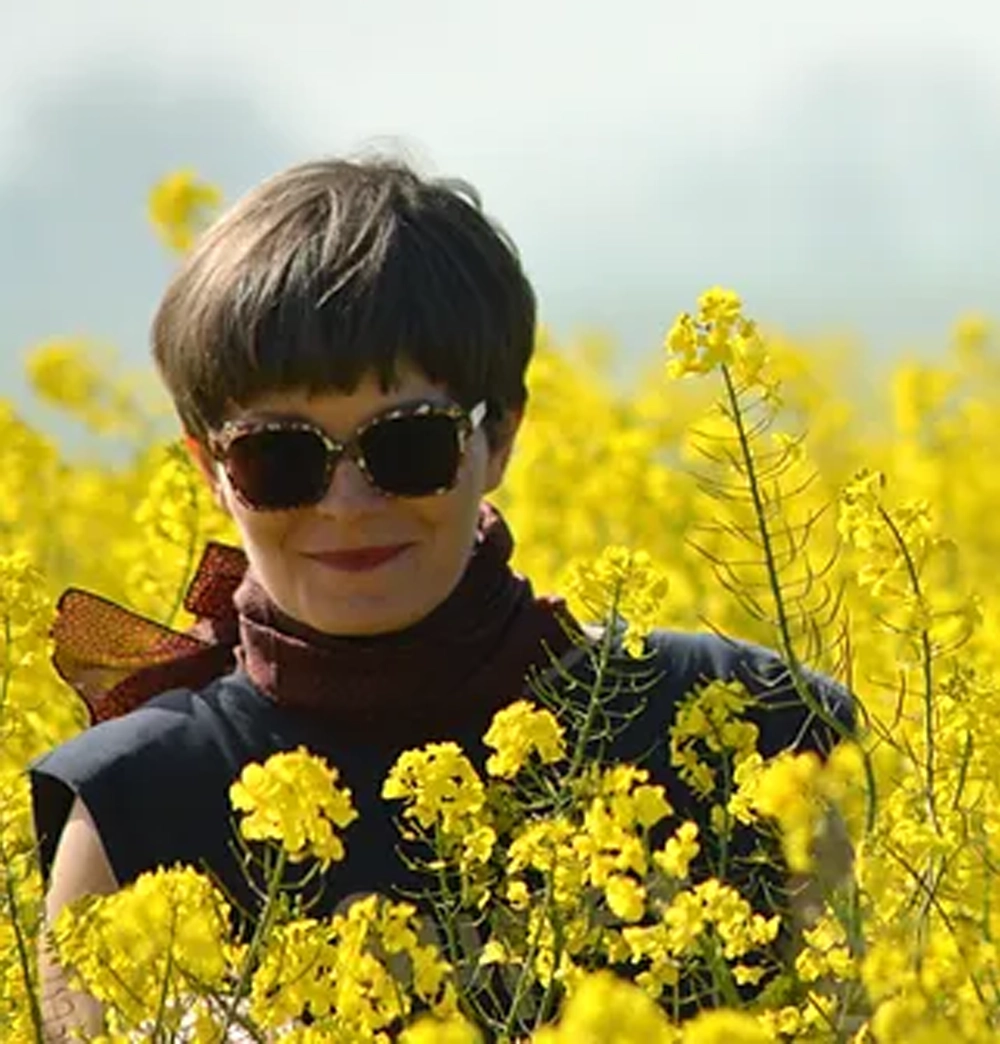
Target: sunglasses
(413,450)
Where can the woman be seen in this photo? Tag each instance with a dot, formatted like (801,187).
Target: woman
(346,349)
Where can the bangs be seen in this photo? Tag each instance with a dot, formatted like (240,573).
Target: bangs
(405,302)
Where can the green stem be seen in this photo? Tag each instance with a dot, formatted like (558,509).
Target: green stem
(5,675)
(596,691)
(722,979)
(446,921)
(261,931)
(927,669)
(529,961)
(548,997)
(750,466)
(10,894)
(786,645)
(161,1007)
(784,630)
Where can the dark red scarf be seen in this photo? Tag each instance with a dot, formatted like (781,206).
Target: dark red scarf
(469,655)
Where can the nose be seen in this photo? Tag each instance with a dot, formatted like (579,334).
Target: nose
(349,491)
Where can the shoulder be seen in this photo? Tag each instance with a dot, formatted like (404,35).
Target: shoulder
(171,722)
(812,714)
(694,656)
(152,765)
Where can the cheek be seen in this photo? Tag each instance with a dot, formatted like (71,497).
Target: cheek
(451,520)
(268,531)
(473,486)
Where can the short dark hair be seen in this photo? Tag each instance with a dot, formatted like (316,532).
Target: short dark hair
(336,269)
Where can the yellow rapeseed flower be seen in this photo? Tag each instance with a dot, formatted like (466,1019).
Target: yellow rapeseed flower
(439,784)
(25,605)
(429,1030)
(62,373)
(179,207)
(358,972)
(293,800)
(710,724)
(725,1027)
(719,335)
(548,846)
(518,731)
(626,897)
(607,1010)
(678,851)
(621,586)
(163,936)
(788,790)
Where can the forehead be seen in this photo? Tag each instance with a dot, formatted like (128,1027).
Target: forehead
(342,411)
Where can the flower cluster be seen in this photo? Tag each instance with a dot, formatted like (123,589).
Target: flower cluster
(445,801)
(517,732)
(709,729)
(179,207)
(164,937)
(293,799)
(719,335)
(622,586)
(87,382)
(568,899)
(357,975)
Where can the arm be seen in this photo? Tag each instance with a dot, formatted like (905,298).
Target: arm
(80,868)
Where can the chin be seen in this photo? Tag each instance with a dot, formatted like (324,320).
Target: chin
(363,624)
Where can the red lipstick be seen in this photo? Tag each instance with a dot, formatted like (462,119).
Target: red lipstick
(360,559)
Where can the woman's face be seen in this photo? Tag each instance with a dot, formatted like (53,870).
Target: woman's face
(407,554)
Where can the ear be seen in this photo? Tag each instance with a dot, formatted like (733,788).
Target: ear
(208,467)
(502,447)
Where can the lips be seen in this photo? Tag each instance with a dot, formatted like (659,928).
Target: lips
(361,559)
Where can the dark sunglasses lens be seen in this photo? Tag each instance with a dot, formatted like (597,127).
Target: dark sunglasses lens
(278,469)
(412,456)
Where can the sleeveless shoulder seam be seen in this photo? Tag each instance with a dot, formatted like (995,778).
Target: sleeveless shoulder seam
(130,771)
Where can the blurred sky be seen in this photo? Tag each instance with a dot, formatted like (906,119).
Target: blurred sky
(837,162)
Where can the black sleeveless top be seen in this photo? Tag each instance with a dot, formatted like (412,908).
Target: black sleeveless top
(156,780)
